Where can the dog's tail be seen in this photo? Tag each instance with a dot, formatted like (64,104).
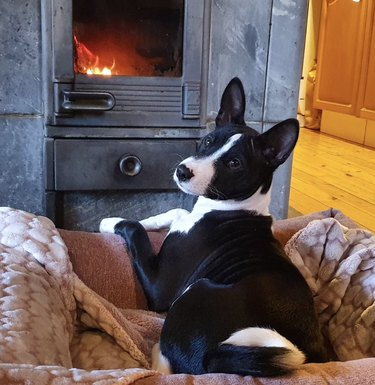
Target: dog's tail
(257,352)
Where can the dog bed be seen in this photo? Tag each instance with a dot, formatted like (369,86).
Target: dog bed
(72,311)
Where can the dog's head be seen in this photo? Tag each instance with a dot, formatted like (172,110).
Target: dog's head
(234,161)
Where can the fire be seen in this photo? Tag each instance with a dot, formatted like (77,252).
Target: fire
(97,71)
(85,62)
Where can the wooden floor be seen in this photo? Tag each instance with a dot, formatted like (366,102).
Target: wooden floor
(329,172)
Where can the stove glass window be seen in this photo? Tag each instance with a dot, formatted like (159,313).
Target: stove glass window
(128,37)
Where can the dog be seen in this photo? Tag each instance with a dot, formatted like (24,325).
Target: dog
(234,302)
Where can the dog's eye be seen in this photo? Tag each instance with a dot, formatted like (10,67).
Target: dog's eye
(207,140)
(234,163)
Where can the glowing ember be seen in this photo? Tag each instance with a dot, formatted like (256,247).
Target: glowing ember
(85,62)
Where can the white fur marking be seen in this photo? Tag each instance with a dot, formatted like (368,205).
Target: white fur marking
(160,362)
(258,337)
(107,225)
(181,220)
(164,220)
(257,202)
(157,222)
(203,169)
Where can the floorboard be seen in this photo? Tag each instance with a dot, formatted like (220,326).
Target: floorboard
(330,172)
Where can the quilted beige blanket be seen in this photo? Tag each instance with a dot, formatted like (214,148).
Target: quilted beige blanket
(50,317)
(339,266)
(56,329)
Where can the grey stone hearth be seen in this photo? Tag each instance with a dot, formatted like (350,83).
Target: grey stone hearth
(259,41)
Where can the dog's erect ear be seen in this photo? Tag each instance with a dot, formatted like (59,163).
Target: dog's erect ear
(278,142)
(232,106)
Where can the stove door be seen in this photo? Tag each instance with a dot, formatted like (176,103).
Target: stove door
(124,62)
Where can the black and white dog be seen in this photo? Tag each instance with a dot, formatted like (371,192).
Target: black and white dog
(235,303)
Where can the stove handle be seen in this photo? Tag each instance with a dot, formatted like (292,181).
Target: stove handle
(87,101)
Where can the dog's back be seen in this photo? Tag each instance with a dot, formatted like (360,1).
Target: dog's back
(248,285)
(223,246)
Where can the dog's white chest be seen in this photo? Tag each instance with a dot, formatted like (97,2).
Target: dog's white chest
(186,223)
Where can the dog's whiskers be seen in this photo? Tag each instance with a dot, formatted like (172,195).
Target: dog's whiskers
(214,190)
(181,158)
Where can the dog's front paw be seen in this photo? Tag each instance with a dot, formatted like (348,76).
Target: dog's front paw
(107,225)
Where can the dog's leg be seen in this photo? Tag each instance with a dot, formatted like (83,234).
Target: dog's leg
(163,221)
(145,261)
(157,222)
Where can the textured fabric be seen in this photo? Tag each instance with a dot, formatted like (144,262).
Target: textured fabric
(358,372)
(339,265)
(11,374)
(49,316)
(284,229)
(37,306)
(101,262)
(134,331)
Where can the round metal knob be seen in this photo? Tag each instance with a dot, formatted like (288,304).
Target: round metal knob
(130,165)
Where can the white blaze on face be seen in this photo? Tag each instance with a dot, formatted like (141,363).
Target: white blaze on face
(203,169)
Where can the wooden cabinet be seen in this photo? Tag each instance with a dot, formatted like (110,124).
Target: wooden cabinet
(366,97)
(346,58)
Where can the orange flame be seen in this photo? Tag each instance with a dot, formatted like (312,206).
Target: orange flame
(105,71)
(87,63)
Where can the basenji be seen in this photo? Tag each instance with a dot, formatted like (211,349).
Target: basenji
(234,302)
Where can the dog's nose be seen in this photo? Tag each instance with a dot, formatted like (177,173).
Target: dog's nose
(183,173)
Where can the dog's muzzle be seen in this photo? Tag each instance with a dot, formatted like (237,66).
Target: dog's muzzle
(183,173)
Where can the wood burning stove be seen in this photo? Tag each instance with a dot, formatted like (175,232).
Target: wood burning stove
(124,87)
(112,141)
(125,63)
